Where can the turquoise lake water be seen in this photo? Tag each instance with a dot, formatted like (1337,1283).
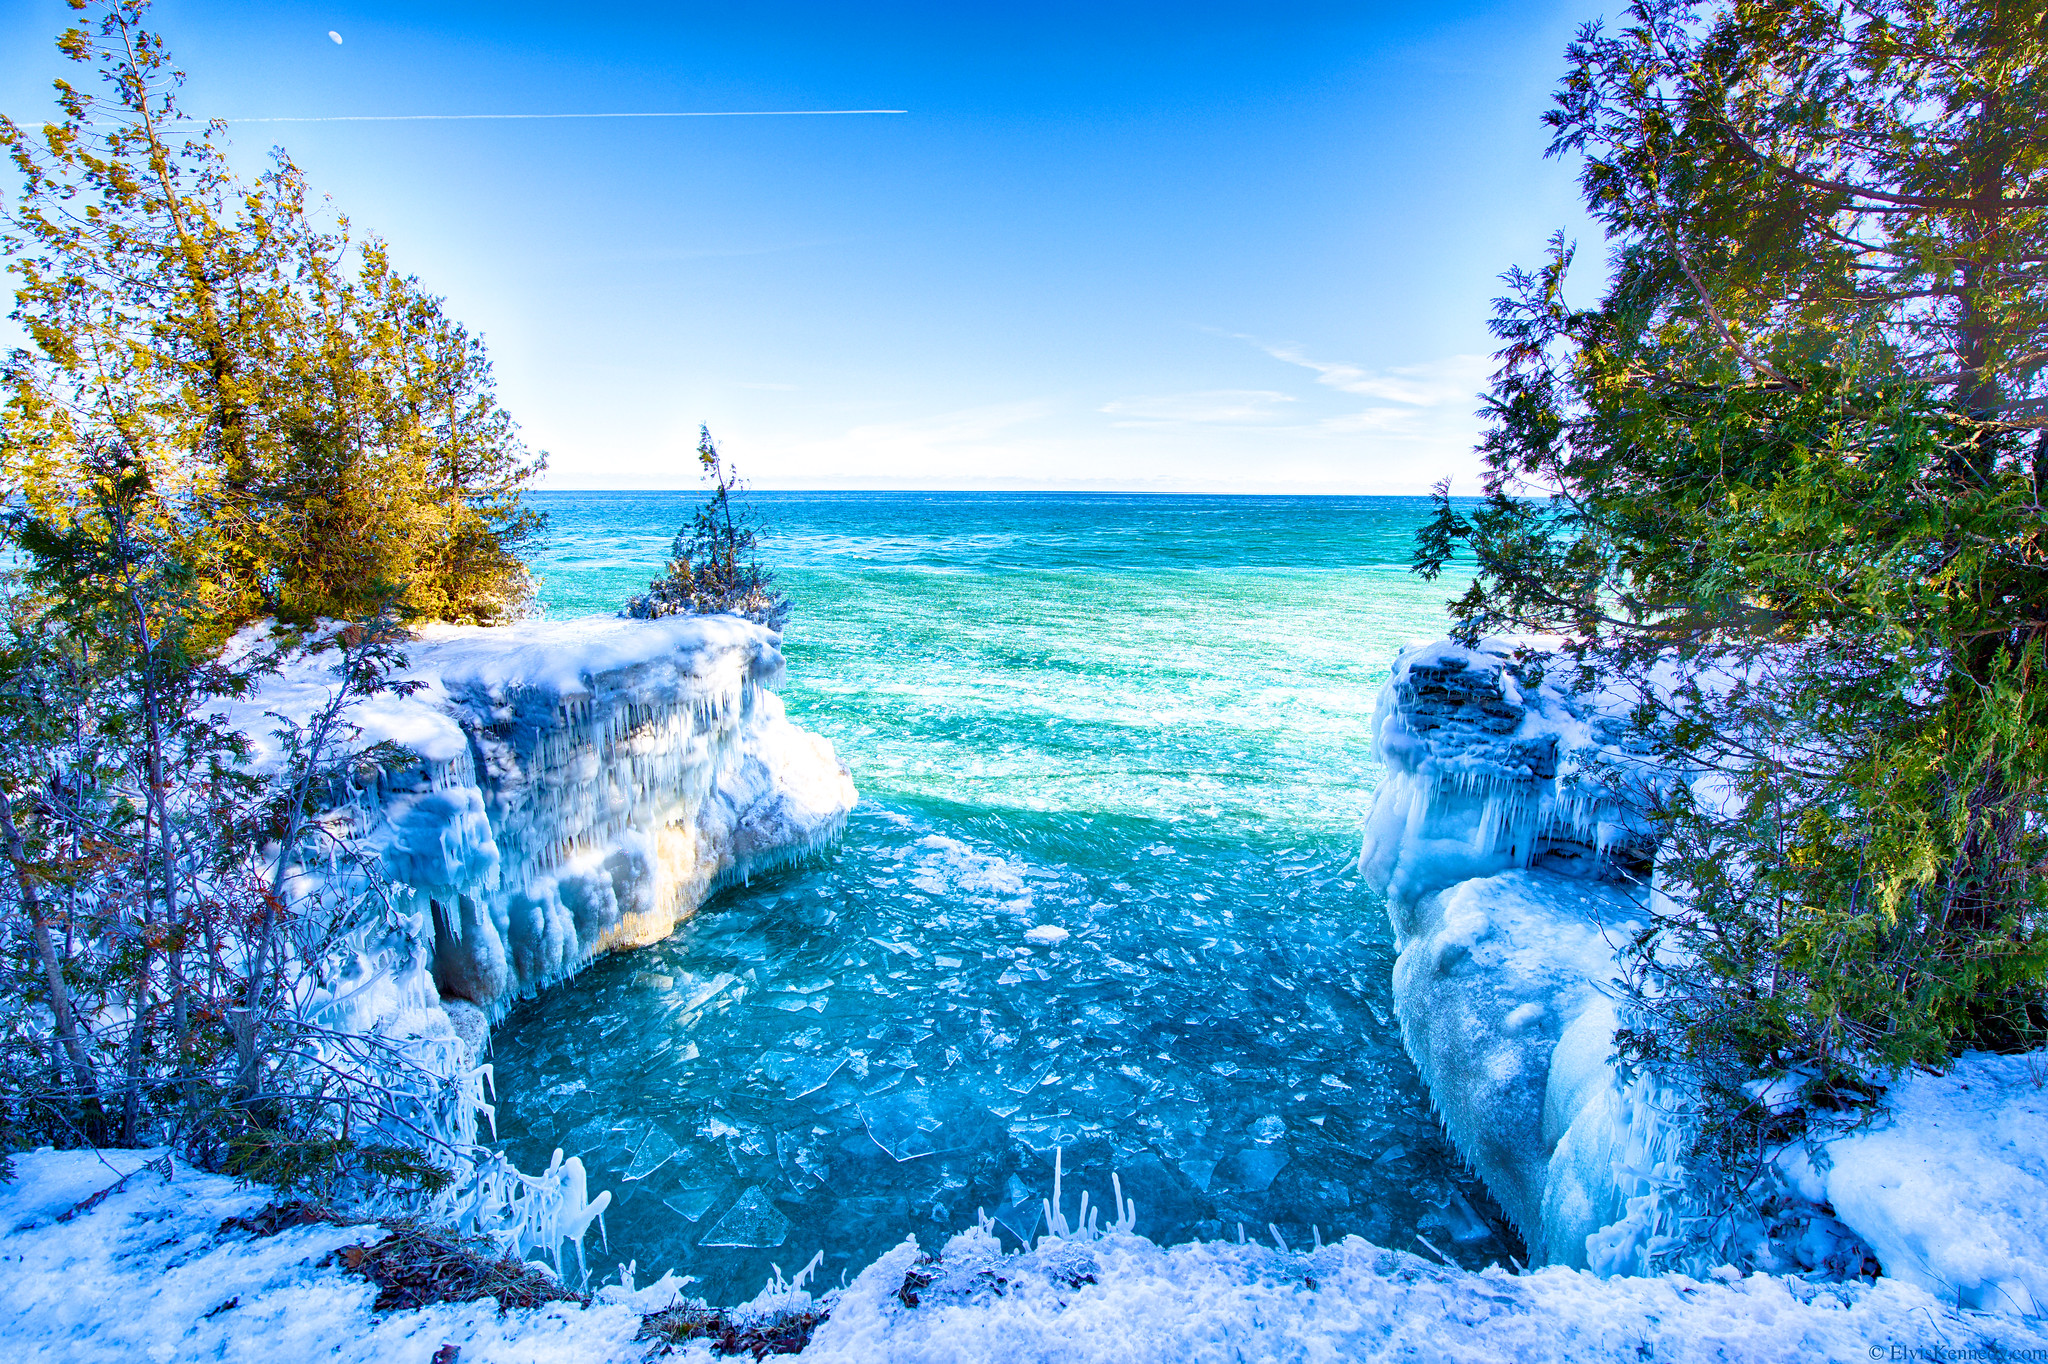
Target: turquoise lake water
(1144,720)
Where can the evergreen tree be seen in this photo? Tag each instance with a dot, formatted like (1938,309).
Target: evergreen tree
(1785,481)
(322,442)
(225,411)
(714,564)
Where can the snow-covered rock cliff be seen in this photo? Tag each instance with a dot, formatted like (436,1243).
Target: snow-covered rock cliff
(1507,877)
(580,786)
(1513,878)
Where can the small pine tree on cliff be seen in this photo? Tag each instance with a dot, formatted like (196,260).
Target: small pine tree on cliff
(714,568)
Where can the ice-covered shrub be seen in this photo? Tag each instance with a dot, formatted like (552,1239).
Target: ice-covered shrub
(183,927)
(714,565)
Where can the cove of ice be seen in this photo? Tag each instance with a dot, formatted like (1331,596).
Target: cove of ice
(1099,715)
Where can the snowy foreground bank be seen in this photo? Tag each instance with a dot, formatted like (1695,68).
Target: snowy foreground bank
(150,1274)
(1511,884)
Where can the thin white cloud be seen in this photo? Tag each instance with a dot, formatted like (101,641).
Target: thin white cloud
(1453,379)
(1223,406)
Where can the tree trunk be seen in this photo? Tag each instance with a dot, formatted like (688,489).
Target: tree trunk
(53,968)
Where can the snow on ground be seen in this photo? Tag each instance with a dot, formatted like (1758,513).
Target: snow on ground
(148,1275)
(1950,1187)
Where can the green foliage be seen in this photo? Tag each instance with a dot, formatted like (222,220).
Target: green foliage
(714,564)
(320,1164)
(226,411)
(321,438)
(1784,486)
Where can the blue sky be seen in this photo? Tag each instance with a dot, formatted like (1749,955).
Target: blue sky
(1231,247)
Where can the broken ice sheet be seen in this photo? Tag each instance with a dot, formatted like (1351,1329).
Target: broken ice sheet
(752,1222)
(1020,1211)
(809,1074)
(1253,1169)
(699,992)
(692,1204)
(1043,1135)
(586,1136)
(656,1151)
(899,1122)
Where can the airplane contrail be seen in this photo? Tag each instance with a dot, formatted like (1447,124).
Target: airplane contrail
(438,118)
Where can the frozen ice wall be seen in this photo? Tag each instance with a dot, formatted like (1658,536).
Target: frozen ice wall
(580,786)
(1512,879)
(1504,868)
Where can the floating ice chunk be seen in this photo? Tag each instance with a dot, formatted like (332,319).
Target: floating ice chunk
(751,1223)
(587,1136)
(898,1034)
(809,1074)
(1047,935)
(806,987)
(1021,1210)
(1199,1172)
(1253,1169)
(705,991)
(1046,1135)
(555,1096)
(1462,1221)
(1269,1129)
(899,1122)
(657,1150)
(692,1204)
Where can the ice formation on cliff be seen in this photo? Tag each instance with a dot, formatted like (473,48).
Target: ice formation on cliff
(1512,879)
(1501,867)
(571,788)
(580,785)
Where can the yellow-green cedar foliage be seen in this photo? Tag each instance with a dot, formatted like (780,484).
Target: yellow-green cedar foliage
(321,437)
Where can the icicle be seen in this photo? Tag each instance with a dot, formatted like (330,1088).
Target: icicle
(803,1276)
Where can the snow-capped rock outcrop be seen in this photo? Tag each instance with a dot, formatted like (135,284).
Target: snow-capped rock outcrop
(1513,878)
(1507,877)
(579,786)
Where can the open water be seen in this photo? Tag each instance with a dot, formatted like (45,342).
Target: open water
(1145,720)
